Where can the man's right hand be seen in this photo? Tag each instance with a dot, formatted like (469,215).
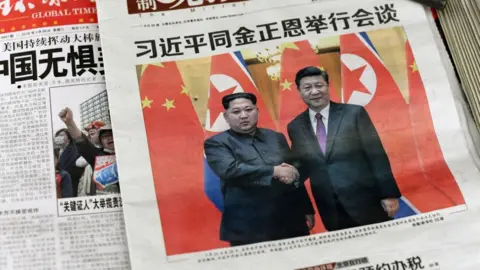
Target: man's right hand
(285,174)
(66,115)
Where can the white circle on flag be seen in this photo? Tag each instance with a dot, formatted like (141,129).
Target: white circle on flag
(222,83)
(368,78)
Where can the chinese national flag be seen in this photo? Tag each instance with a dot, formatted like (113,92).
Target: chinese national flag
(434,166)
(295,56)
(229,75)
(175,140)
(366,81)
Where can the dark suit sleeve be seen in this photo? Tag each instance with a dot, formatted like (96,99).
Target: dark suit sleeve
(295,155)
(301,191)
(377,157)
(228,168)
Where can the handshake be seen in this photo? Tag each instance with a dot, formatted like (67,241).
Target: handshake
(286,173)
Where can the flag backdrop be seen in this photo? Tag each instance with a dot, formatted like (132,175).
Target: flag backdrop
(175,140)
(295,56)
(431,157)
(188,191)
(367,82)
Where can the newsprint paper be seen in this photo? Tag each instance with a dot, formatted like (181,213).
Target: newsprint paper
(60,204)
(281,135)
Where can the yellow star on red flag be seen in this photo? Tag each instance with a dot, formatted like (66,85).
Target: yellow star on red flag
(184,90)
(414,66)
(146,103)
(169,104)
(286,85)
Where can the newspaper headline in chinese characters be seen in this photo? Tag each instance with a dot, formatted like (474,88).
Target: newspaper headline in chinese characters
(61,206)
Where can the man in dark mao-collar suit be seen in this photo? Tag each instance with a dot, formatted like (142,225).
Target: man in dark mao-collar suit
(338,148)
(263,200)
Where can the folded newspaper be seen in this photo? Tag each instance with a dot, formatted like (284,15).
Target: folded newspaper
(55,213)
(249,134)
(273,135)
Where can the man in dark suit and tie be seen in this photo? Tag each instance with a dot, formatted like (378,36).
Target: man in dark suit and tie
(263,200)
(337,147)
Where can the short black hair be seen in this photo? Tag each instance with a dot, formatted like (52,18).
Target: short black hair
(70,138)
(310,71)
(103,131)
(229,98)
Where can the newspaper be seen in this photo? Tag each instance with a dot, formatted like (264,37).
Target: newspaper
(59,208)
(459,40)
(224,167)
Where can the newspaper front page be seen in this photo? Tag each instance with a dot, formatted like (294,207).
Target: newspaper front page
(272,135)
(60,205)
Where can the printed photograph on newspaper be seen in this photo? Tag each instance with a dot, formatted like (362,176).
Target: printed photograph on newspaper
(86,174)
(84,148)
(301,138)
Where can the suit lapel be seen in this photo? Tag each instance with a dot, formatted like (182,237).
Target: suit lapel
(310,134)
(334,119)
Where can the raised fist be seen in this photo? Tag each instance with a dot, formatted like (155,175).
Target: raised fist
(66,115)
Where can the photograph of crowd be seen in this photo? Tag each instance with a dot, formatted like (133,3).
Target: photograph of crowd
(84,148)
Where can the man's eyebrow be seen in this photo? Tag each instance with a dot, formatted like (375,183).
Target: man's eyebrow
(238,108)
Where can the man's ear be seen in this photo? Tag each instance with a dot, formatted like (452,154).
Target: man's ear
(225,116)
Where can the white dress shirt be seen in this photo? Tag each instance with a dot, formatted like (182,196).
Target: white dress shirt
(324,112)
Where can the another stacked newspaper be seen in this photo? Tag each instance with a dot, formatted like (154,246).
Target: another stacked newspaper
(460,21)
(54,213)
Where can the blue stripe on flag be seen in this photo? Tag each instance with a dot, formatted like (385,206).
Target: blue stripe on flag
(404,210)
(239,56)
(212,186)
(367,40)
